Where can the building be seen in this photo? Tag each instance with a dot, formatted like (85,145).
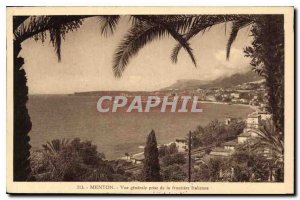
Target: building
(181,145)
(243,137)
(220,152)
(229,120)
(230,145)
(137,158)
(264,115)
(244,101)
(253,121)
(235,95)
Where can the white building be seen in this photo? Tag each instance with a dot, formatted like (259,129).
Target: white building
(243,137)
(230,145)
(137,158)
(253,121)
(235,95)
(264,115)
(181,145)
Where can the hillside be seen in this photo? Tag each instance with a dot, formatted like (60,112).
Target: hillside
(224,82)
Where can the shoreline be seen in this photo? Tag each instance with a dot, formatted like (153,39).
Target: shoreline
(231,104)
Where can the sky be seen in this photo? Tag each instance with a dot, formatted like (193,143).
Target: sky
(87,56)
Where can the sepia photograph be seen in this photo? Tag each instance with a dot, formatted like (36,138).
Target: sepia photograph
(147,100)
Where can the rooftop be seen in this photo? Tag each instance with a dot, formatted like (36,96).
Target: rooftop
(180,140)
(245,134)
(231,143)
(139,156)
(220,149)
(253,115)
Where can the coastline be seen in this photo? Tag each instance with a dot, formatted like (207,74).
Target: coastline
(255,108)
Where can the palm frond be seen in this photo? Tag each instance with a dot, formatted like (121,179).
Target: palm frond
(268,143)
(236,26)
(38,26)
(138,36)
(18,20)
(55,39)
(55,146)
(201,23)
(108,24)
(174,25)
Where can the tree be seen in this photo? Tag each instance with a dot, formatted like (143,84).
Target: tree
(171,159)
(215,166)
(234,129)
(267,59)
(77,160)
(22,123)
(151,168)
(270,146)
(174,173)
(196,137)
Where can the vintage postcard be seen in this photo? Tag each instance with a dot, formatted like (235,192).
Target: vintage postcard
(150,100)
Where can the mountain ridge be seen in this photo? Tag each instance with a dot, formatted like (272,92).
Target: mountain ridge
(224,82)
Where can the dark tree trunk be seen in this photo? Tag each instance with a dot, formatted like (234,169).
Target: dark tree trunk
(22,123)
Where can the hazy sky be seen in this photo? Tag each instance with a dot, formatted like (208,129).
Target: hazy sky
(87,61)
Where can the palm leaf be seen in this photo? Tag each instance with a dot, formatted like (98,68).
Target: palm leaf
(205,22)
(138,36)
(236,26)
(55,39)
(174,25)
(108,24)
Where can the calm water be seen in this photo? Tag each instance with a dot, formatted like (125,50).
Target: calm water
(62,116)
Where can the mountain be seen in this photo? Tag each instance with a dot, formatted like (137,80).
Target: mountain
(185,84)
(224,82)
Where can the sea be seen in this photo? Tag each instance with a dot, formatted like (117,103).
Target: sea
(71,116)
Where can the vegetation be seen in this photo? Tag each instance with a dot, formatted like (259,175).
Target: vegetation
(22,123)
(269,146)
(61,160)
(173,163)
(216,133)
(151,169)
(267,59)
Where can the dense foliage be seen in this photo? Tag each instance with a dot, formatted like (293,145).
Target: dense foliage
(60,160)
(216,133)
(151,168)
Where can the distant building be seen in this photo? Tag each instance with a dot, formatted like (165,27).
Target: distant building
(137,158)
(234,100)
(210,98)
(229,120)
(245,101)
(264,115)
(253,121)
(243,137)
(230,145)
(235,95)
(220,152)
(181,145)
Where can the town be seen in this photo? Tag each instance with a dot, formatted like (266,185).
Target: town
(249,93)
